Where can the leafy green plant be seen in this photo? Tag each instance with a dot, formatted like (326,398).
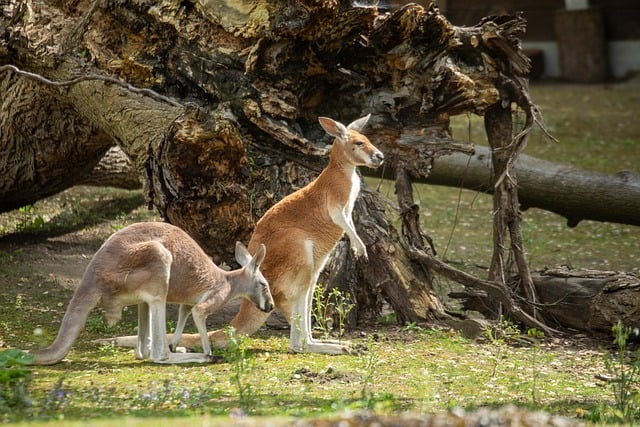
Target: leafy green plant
(108,349)
(625,372)
(325,306)
(30,221)
(320,313)
(19,302)
(343,306)
(411,327)
(242,370)
(388,318)
(14,379)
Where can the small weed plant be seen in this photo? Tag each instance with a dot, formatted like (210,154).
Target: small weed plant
(506,332)
(411,327)
(321,318)
(242,371)
(343,306)
(536,336)
(326,306)
(30,220)
(369,360)
(624,370)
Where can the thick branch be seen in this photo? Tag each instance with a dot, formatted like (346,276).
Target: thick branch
(114,170)
(37,124)
(573,193)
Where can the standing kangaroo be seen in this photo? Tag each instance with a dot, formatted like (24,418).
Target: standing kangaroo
(300,232)
(150,264)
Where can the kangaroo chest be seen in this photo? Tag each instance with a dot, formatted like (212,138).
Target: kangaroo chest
(353,194)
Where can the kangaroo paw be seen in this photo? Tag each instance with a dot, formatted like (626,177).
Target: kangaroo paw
(126,341)
(215,359)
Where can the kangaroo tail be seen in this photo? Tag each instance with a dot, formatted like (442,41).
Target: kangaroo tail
(84,299)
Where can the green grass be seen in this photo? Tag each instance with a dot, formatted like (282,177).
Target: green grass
(424,371)
(43,249)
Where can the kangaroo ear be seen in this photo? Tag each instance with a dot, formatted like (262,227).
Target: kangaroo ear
(242,254)
(259,256)
(359,124)
(334,128)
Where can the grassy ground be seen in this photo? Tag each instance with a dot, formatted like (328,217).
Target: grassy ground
(45,248)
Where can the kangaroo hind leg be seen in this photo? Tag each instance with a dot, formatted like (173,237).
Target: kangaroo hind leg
(183,314)
(301,338)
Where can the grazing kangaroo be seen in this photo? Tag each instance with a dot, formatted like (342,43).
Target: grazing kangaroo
(150,264)
(300,232)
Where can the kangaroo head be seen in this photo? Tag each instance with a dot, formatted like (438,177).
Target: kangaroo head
(257,287)
(352,145)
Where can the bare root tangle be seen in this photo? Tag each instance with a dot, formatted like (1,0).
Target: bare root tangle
(496,291)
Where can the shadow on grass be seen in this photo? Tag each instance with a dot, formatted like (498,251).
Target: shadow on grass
(85,214)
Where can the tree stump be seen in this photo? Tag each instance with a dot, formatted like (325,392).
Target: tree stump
(582,45)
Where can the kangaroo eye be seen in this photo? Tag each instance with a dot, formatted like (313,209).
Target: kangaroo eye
(359,143)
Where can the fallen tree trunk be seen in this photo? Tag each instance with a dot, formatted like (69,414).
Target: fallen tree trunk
(37,159)
(573,193)
(588,300)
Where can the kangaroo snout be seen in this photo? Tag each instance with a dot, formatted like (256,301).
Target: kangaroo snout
(377,159)
(267,307)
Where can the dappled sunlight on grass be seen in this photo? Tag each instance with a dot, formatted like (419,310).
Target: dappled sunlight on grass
(424,370)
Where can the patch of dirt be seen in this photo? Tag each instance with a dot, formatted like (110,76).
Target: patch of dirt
(327,376)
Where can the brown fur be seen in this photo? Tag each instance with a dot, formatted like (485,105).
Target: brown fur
(301,230)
